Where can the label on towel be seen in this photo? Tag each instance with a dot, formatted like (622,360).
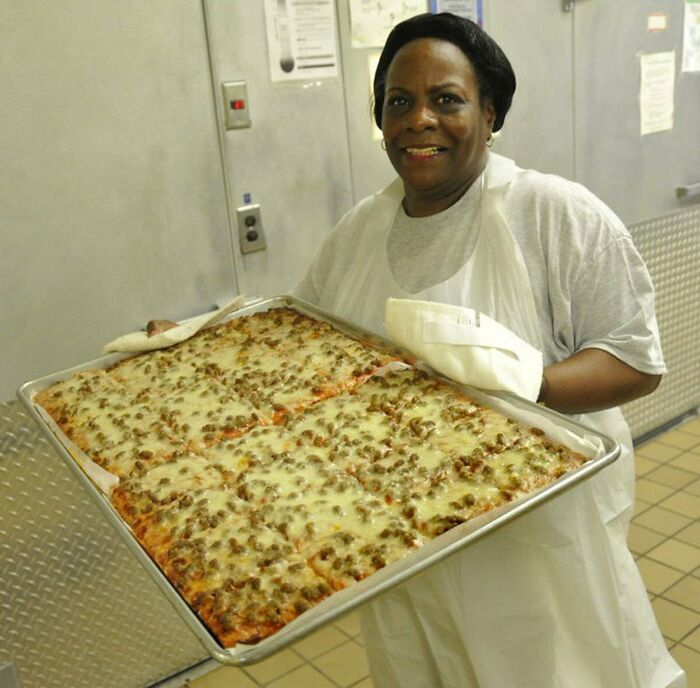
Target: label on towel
(469,319)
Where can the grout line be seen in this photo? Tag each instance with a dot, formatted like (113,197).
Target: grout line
(689,633)
(250,678)
(669,426)
(665,563)
(674,492)
(659,504)
(657,482)
(660,438)
(345,633)
(680,604)
(323,673)
(659,532)
(658,462)
(687,647)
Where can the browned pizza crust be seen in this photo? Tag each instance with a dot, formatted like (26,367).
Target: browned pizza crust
(263,464)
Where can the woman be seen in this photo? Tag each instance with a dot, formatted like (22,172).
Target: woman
(553,599)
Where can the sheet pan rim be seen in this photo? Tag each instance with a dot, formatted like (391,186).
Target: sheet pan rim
(463,535)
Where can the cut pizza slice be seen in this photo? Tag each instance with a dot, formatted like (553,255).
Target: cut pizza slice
(153,374)
(469,485)
(291,361)
(424,408)
(347,556)
(344,421)
(326,523)
(273,468)
(244,579)
(163,526)
(203,412)
(274,325)
(82,396)
(124,437)
(151,486)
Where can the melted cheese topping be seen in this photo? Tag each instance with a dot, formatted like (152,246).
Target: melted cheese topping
(263,466)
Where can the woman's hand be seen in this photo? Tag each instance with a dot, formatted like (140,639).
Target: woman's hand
(154,327)
(593,380)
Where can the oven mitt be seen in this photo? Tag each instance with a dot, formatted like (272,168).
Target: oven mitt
(140,341)
(466,346)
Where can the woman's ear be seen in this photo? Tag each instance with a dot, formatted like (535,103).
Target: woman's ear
(489,116)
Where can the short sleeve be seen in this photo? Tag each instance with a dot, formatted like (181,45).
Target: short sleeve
(612,307)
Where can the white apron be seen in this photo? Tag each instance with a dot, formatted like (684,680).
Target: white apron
(552,600)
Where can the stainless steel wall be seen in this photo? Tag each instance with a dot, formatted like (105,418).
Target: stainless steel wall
(76,609)
(670,245)
(112,208)
(293,160)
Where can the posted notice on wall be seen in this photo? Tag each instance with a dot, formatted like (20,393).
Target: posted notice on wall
(372,20)
(691,36)
(301,39)
(469,9)
(658,73)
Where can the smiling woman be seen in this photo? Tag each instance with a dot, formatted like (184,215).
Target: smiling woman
(435,125)
(554,598)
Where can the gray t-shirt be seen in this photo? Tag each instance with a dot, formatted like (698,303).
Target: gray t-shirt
(424,251)
(591,287)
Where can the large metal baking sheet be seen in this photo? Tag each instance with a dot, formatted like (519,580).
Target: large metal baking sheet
(344,601)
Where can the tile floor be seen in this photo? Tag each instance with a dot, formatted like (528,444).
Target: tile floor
(664,537)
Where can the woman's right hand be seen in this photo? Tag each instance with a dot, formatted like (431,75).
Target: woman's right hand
(154,327)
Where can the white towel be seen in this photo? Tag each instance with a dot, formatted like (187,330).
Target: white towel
(140,341)
(466,346)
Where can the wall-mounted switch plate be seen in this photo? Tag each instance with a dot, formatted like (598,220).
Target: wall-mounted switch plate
(236,107)
(250,229)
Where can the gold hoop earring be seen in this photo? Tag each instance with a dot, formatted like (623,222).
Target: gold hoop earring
(383,144)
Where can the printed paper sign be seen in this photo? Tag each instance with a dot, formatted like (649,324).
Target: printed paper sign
(656,92)
(691,37)
(372,20)
(301,39)
(469,9)
(657,21)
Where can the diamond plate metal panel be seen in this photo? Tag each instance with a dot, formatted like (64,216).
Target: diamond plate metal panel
(670,246)
(75,608)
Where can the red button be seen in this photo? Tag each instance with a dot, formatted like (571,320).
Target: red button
(238,104)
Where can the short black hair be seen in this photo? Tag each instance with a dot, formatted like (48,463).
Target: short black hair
(493,70)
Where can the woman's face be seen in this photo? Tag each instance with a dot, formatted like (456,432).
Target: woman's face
(434,124)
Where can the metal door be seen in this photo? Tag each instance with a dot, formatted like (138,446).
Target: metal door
(635,175)
(294,158)
(538,39)
(112,211)
(112,207)
(638,175)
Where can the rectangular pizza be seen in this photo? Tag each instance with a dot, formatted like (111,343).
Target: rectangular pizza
(269,461)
